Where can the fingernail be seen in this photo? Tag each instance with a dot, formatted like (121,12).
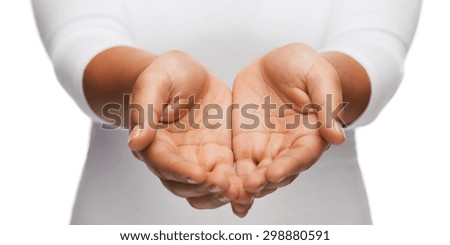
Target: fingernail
(260,189)
(224,199)
(214,189)
(280,179)
(191,181)
(337,126)
(134,133)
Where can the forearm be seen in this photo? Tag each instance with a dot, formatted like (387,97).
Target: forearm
(111,74)
(355,84)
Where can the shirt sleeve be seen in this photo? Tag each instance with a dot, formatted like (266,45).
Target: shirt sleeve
(73,32)
(377,34)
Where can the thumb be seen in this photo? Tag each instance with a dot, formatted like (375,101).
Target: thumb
(150,92)
(324,88)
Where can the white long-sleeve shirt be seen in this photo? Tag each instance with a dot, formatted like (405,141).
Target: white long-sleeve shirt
(225,35)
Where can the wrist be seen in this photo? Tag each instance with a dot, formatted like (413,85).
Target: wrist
(112,73)
(355,84)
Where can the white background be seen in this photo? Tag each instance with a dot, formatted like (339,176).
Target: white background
(404,154)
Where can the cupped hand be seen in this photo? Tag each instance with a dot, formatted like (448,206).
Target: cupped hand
(190,151)
(289,124)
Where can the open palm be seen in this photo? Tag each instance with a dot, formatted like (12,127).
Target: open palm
(283,136)
(189,152)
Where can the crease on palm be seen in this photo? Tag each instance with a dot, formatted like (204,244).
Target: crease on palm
(257,87)
(254,154)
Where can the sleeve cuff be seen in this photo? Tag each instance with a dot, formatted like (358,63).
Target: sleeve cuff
(72,59)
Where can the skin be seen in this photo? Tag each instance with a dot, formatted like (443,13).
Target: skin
(198,163)
(193,163)
(298,75)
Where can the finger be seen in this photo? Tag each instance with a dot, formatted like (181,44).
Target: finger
(220,179)
(324,88)
(256,181)
(241,210)
(139,157)
(296,159)
(217,182)
(187,190)
(285,182)
(208,202)
(173,166)
(150,92)
(237,193)
(245,167)
(136,155)
(241,214)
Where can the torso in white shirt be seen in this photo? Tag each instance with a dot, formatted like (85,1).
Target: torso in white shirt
(224,36)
